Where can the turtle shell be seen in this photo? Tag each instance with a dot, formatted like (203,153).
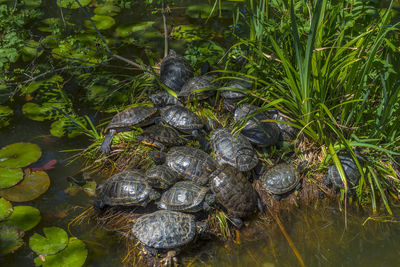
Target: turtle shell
(131,117)
(127,188)
(233,149)
(196,83)
(191,163)
(233,191)
(255,129)
(175,71)
(239,85)
(288,132)
(280,179)
(164,134)
(350,169)
(163,99)
(161,176)
(181,118)
(184,196)
(165,229)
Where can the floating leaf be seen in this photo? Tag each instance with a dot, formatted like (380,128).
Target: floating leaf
(5,113)
(33,3)
(6,209)
(102,22)
(35,85)
(31,50)
(73,255)
(107,10)
(190,33)
(23,217)
(71,4)
(65,126)
(33,185)
(10,239)
(19,155)
(90,188)
(200,11)
(56,240)
(10,177)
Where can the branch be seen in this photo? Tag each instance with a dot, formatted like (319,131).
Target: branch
(165,29)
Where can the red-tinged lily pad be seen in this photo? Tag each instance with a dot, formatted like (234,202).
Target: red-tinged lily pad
(10,177)
(56,240)
(6,209)
(33,185)
(23,217)
(10,239)
(19,155)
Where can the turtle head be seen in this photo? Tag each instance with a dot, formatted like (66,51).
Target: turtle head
(229,105)
(153,195)
(201,227)
(209,200)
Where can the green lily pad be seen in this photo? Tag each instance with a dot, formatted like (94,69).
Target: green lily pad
(71,4)
(202,10)
(10,239)
(56,240)
(73,255)
(109,10)
(6,209)
(65,127)
(33,185)
(10,177)
(19,155)
(23,217)
(35,85)
(5,114)
(33,3)
(102,22)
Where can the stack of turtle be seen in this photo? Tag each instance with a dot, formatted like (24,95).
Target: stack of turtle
(188,181)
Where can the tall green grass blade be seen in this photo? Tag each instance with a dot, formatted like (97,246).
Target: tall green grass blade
(379,186)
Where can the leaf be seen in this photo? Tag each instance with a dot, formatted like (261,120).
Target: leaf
(19,155)
(102,22)
(33,3)
(65,127)
(56,240)
(107,9)
(5,114)
(10,239)
(72,4)
(10,177)
(23,217)
(6,209)
(73,255)
(33,185)
(35,85)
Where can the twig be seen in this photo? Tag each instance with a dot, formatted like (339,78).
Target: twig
(165,29)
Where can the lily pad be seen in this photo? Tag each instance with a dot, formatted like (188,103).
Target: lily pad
(65,127)
(102,22)
(19,155)
(33,185)
(200,11)
(56,240)
(10,177)
(35,85)
(71,4)
(6,209)
(109,10)
(23,217)
(73,255)
(33,3)
(10,239)
(5,113)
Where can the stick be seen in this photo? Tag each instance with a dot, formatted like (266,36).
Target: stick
(165,29)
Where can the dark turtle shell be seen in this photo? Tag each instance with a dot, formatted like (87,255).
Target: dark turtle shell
(191,163)
(350,169)
(135,116)
(280,179)
(240,86)
(161,176)
(181,118)
(163,98)
(288,132)
(159,136)
(256,130)
(184,196)
(175,71)
(233,191)
(127,188)
(233,149)
(165,229)
(196,83)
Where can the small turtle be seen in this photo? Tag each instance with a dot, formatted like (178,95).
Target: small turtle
(163,98)
(196,83)
(161,176)
(288,132)
(350,169)
(235,193)
(166,231)
(256,130)
(186,196)
(239,86)
(135,116)
(233,149)
(161,136)
(280,179)
(128,188)
(175,71)
(185,121)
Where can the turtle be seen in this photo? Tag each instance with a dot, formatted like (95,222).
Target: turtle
(167,231)
(163,98)
(175,71)
(135,116)
(256,130)
(196,83)
(288,132)
(186,196)
(185,121)
(280,180)
(161,176)
(128,188)
(350,169)
(235,193)
(233,149)
(239,87)
(160,136)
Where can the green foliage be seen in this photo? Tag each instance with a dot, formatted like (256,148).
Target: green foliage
(10,239)
(10,177)
(55,240)
(19,155)
(5,209)
(23,217)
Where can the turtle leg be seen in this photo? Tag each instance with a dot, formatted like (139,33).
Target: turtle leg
(106,145)
(237,222)
(204,144)
(171,257)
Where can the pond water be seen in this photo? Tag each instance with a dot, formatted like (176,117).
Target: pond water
(317,232)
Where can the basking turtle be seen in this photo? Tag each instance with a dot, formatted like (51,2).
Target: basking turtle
(350,169)
(233,149)
(280,179)
(239,87)
(175,71)
(161,176)
(185,121)
(128,188)
(135,116)
(288,132)
(163,98)
(166,231)
(186,196)
(197,83)
(256,130)
(161,136)
(235,193)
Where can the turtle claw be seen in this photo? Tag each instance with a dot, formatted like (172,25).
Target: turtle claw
(170,259)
